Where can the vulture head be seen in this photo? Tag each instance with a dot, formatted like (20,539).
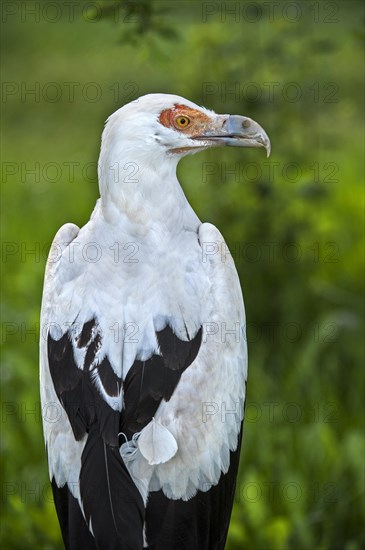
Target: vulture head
(144,140)
(170,124)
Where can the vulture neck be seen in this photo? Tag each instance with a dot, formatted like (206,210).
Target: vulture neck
(144,193)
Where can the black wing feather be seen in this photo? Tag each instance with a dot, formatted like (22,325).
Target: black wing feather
(75,532)
(110,497)
(148,382)
(200,523)
(178,354)
(76,389)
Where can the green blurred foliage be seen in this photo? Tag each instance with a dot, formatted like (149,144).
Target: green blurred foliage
(294,227)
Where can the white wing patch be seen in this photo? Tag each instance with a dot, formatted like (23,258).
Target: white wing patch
(205,411)
(63,451)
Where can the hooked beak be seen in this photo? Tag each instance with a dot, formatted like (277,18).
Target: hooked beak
(236,131)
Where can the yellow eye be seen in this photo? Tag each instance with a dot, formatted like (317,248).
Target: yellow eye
(182,121)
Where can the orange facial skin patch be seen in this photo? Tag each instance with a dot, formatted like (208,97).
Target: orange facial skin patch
(198,121)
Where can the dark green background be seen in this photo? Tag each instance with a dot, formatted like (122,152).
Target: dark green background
(294,227)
